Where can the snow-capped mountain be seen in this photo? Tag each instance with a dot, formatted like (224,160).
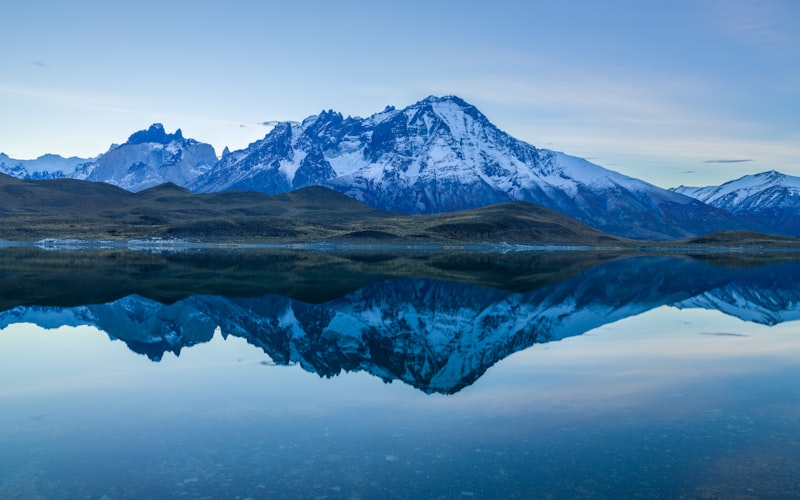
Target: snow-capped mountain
(442,154)
(45,167)
(771,199)
(437,155)
(149,158)
(435,335)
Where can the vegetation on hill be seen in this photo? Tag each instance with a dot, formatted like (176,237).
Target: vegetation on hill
(73,209)
(65,208)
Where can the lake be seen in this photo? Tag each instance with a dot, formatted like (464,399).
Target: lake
(362,374)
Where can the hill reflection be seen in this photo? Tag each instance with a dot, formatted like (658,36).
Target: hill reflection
(436,322)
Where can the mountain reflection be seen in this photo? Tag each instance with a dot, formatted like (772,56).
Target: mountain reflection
(435,334)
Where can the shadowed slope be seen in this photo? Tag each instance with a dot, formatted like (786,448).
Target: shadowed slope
(68,208)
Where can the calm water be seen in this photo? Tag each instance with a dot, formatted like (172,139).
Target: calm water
(418,377)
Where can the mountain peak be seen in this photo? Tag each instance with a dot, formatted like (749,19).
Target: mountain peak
(452,108)
(431,99)
(762,180)
(325,116)
(150,157)
(155,134)
(769,199)
(771,174)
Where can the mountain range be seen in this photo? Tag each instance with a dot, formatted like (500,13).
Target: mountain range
(438,155)
(436,335)
(769,199)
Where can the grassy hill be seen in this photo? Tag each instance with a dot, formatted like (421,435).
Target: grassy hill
(66,208)
(731,239)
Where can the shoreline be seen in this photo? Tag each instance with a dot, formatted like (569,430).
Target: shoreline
(177,245)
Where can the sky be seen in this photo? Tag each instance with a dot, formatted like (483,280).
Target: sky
(691,92)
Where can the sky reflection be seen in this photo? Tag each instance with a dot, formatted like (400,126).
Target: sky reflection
(659,349)
(653,397)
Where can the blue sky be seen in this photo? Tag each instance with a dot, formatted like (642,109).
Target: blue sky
(673,92)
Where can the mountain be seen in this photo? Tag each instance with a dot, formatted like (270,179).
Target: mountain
(441,154)
(438,155)
(149,158)
(769,199)
(45,167)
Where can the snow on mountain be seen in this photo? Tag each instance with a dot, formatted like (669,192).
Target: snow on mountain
(149,158)
(437,155)
(442,154)
(771,199)
(45,167)
(748,193)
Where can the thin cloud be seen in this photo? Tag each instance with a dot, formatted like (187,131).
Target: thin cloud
(86,101)
(724,334)
(728,161)
(757,23)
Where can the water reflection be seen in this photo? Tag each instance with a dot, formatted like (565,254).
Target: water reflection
(644,407)
(655,389)
(436,335)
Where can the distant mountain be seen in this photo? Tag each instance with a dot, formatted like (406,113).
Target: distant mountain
(441,154)
(769,199)
(149,158)
(45,167)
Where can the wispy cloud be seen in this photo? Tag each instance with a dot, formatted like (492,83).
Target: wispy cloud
(728,161)
(68,99)
(763,24)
